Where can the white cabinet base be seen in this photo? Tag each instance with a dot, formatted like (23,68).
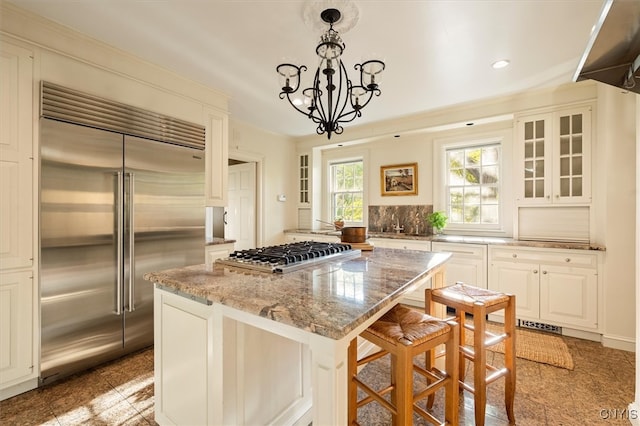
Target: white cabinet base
(266,377)
(552,286)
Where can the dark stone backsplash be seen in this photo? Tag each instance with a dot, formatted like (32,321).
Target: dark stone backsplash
(410,218)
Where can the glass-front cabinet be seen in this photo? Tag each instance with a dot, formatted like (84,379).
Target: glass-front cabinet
(554,157)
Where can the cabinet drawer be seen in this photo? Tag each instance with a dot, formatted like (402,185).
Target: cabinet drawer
(473,251)
(402,244)
(572,258)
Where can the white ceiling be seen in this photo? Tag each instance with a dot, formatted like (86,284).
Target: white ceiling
(438,53)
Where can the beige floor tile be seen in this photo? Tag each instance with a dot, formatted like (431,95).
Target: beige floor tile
(121,393)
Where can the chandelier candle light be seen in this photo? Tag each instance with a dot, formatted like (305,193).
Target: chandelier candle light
(338,101)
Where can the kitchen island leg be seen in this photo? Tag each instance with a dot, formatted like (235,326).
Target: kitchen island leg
(329,380)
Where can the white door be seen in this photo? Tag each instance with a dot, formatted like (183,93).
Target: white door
(240,223)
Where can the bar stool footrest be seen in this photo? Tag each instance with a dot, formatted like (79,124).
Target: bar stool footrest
(374,395)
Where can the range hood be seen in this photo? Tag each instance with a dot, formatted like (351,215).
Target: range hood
(613,53)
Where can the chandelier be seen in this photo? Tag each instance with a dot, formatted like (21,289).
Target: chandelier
(333,99)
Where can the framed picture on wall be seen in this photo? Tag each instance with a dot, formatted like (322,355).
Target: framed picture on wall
(399,179)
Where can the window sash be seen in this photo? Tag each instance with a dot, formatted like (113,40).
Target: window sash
(473,185)
(347,190)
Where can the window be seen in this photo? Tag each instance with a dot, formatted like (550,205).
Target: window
(347,190)
(473,185)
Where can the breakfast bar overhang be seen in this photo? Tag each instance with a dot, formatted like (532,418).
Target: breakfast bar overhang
(234,346)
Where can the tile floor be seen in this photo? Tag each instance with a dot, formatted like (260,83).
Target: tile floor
(121,393)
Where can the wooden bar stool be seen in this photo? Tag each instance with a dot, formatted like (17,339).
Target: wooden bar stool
(404,333)
(481,302)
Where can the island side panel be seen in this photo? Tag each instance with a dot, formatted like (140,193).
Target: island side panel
(183,362)
(213,368)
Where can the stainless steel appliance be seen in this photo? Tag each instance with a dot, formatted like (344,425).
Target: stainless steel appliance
(289,257)
(112,207)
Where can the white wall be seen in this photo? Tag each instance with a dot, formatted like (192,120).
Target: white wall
(389,150)
(617,204)
(276,157)
(613,180)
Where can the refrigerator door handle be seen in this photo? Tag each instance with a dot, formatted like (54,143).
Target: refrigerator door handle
(132,264)
(119,237)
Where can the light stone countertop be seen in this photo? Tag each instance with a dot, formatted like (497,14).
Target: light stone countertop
(212,241)
(463,239)
(330,299)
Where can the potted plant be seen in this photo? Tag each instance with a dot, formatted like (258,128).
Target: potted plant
(437,220)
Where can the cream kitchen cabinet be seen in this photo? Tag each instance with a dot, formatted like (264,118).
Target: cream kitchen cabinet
(553,157)
(217,157)
(468,263)
(552,286)
(16,157)
(297,237)
(217,251)
(401,244)
(18,281)
(17,361)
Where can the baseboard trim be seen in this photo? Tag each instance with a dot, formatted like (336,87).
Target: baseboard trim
(619,342)
(581,334)
(14,390)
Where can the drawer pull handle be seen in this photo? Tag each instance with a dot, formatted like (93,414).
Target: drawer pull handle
(544,272)
(567,259)
(514,255)
(535,271)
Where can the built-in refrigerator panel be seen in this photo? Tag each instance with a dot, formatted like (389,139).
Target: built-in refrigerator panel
(80,168)
(96,187)
(168,221)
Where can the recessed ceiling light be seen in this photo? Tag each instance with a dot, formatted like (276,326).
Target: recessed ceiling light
(500,64)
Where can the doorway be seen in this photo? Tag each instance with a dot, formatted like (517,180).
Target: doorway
(241,211)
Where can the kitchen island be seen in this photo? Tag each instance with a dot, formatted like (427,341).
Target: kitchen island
(235,346)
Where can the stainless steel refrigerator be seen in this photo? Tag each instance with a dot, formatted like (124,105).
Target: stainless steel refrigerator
(112,207)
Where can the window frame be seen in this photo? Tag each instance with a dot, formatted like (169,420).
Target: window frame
(505,192)
(336,156)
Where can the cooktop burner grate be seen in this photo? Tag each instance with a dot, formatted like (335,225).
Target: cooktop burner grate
(288,257)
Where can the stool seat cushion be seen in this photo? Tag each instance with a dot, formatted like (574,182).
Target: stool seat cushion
(468,295)
(408,326)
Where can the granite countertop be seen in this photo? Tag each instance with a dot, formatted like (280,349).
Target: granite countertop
(330,299)
(217,240)
(464,239)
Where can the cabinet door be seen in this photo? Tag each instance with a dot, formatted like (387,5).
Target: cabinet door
(468,264)
(520,279)
(217,156)
(572,156)
(554,157)
(535,167)
(16,157)
(569,296)
(304,179)
(16,328)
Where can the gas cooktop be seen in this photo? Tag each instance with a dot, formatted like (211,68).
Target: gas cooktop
(289,257)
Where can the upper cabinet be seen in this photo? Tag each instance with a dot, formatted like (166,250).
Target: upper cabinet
(16,157)
(553,157)
(217,157)
(303,179)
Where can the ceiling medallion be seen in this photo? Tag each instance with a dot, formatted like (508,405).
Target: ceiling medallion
(333,99)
